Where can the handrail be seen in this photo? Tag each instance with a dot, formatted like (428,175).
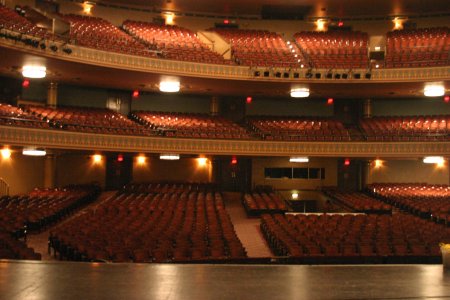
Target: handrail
(4,187)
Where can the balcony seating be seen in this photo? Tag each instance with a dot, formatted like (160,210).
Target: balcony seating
(424,200)
(315,239)
(188,226)
(407,128)
(168,187)
(102,35)
(191,125)
(91,120)
(260,48)
(299,129)
(41,207)
(11,20)
(359,202)
(14,116)
(426,47)
(258,203)
(173,42)
(334,49)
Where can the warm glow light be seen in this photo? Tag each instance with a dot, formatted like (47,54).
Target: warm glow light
(398,24)
(87,7)
(300,93)
(377,163)
(202,161)
(320,25)
(169,86)
(447,99)
(330,101)
(135,94)
(294,196)
(434,90)
(439,160)
(170,19)
(97,158)
(249,100)
(340,23)
(377,48)
(169,156)
(34,71)
(26,84)
(141,159)
(6,153)
(120,158)
(34,152)
(234,160)
(299,159)
(347,162)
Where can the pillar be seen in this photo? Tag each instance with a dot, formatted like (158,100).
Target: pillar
(214,106)
(367,109)
(49,171)
(52,94)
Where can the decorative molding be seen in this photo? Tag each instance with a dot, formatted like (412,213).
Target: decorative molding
(217,71)
(58,139)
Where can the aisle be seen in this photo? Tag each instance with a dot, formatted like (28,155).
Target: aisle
(246,228)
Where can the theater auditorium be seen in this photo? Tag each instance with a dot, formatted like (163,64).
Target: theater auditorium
(224,149)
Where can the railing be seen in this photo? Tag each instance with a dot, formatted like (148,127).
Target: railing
(155,65)
(4,187)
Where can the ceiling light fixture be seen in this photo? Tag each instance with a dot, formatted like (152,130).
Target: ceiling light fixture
(297,159)
(34,71)
(169,86)
(300,93)
(434,90)
(433,159)
(169,156)
(33,152)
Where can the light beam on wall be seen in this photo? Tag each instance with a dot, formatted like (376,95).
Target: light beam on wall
(30,151)
(299,92)
(169,86)
(34,71)
(298,159)
(169,156)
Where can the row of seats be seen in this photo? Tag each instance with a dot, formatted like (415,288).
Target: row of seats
(191,125)
(257,203)
(12,248)
(358,202)
(331,50)
(173,42)
(418,47)
(189,226)
(260,48)
(407,128)
(424,200)
(41,207)
(168,187)
(299,128)
(361,238)
(335,49)
(92,120)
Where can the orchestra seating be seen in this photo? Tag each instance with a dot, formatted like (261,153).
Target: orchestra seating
(41,207)
(426,47)
(257,203)
(173,42)
(91,120)
(260,48)
(191,125)
(15,116)
(406,128)
(187,226)
(358,202)
(424,200)
(334,49)
(100,34)
(360,238)
(12,248)
(299,128)
(11,20)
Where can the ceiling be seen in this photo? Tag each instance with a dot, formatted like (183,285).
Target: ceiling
(90,75)
(316,8)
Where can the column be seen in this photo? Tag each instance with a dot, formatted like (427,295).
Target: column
(214,106)
(52,94)
(367,108)
(49,170)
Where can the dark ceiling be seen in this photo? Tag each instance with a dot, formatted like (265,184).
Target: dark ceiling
(317,8)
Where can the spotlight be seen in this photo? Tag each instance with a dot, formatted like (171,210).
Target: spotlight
(309,74)
(6,153)
(257,74)
(296,75)
(329,75)
(286,75)
(54,48)
(318,75)
(357,76)
(266,74)
(337,76)
(42,46)
(344,76)
(278,74)
(368,75)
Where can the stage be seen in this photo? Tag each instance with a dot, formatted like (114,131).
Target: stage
(70,280)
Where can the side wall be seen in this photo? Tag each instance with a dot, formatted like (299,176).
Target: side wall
(22,173)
